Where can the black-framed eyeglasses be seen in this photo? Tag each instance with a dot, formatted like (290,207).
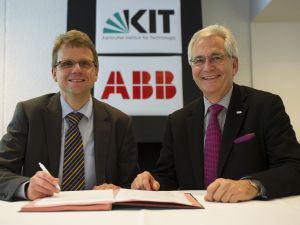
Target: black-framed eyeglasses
(213,60)
(84,64)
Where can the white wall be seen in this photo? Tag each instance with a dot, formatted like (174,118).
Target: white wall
(2,58)
(31,27)
(276,59)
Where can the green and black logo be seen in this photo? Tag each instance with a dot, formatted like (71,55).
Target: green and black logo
(122,22)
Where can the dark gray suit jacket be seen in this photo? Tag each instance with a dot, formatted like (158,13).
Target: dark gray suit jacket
(272,156)
(34,135)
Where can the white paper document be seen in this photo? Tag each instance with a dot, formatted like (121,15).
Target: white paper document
(104,200)
(78,197)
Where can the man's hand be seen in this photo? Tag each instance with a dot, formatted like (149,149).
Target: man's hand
(226,190)
(106,186)
(42,184)
(145,181)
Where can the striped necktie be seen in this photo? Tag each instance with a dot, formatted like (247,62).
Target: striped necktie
(212,145)
(73,168)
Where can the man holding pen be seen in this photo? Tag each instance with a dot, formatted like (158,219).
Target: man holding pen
(83,143)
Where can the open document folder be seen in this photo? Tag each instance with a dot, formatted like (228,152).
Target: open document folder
(104,199)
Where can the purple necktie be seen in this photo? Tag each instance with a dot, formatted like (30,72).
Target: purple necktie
(212,145)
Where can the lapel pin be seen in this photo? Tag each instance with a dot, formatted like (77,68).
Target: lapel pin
(239,112)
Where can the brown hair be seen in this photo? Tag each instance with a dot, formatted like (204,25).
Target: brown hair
(73,38)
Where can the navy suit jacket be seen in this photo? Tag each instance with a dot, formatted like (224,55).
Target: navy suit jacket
(271,154)
(34,135)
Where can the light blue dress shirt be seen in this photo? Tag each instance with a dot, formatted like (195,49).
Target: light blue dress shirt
(86,128)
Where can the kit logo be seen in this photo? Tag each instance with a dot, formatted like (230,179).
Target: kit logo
(118,24)
(121,22)
(141,88)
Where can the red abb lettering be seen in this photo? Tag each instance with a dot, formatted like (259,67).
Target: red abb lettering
(164,87)
(141,88)
(115,85)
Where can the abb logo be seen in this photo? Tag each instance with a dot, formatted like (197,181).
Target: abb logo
(141,89)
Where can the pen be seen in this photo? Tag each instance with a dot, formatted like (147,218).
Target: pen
(45,170)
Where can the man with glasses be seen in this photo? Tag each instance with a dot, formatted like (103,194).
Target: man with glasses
(235,141)
(81,142)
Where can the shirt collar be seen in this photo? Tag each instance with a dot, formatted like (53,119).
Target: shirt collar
(86,110)
(224,101)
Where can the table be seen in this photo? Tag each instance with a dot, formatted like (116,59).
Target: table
(283,211)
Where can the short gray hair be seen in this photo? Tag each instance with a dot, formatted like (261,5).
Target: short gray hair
(230,43)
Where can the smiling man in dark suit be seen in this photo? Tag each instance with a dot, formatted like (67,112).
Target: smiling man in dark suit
(105,153)
(251,151)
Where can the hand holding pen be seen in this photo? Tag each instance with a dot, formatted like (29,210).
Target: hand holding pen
(42,184)
(45,170)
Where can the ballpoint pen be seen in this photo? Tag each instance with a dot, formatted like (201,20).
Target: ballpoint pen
(45,170)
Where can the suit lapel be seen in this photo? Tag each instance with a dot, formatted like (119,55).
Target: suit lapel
(236,113)
(53,122)
(194,123)
(102,135)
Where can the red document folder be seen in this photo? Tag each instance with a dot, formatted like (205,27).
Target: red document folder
(105,199)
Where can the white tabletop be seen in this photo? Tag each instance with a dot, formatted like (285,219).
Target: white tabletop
(284,211)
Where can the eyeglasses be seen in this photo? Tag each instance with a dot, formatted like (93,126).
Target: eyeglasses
(84,64)
(213,60)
